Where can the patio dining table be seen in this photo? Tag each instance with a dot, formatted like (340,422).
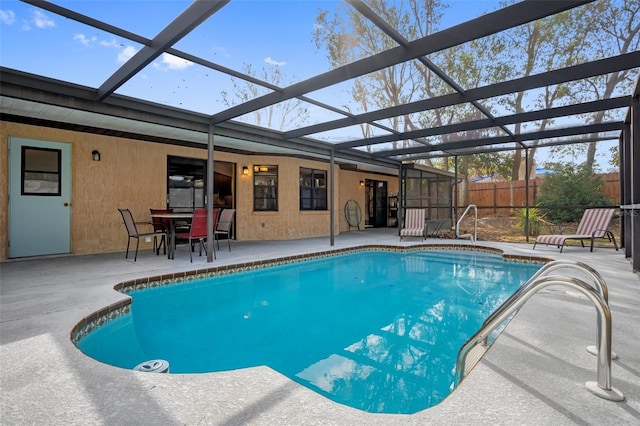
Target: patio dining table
(173,218)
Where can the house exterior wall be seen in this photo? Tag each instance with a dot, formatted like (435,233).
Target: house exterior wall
(133,174)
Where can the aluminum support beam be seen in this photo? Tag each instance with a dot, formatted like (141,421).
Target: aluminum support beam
(549,78)
(198,12)
(491,23)
(584,108)
(210,192)
(471,143)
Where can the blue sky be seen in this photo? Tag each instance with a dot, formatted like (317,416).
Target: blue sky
(259,33)
(41,42)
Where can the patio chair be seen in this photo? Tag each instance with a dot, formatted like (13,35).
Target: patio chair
(132,231)
(353,214)
(161,224)
(433,227)
(594,224)
(414,221)
(224,226)
(198,231)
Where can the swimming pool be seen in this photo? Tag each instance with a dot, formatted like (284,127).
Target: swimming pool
(376,330)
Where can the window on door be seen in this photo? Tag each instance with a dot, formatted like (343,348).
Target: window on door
(40,172)
(186,183)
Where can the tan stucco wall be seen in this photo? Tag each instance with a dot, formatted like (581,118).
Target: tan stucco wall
(132,174)
(288,222)
(350,189)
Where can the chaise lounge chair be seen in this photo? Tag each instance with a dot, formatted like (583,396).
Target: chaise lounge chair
(413,224)
(594,224)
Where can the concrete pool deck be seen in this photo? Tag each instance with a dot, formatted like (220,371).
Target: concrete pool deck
(534,374)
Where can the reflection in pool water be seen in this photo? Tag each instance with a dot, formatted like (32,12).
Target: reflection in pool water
(375,330)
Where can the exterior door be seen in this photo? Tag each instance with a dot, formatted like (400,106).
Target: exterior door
(39,197)
(381,204)
(376,203)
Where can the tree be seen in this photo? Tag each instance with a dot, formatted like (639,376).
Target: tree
(558,41)
(568,190)
(533,48)
(280,116)
(609,26)
(347,36)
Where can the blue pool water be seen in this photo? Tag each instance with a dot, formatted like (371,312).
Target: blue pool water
(375,330)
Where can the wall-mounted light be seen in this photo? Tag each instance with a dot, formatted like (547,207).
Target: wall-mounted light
(245,171)
(96,155)
(361,183)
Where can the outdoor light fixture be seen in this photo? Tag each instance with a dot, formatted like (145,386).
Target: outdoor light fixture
(361,183)
(245,171)
(95,155)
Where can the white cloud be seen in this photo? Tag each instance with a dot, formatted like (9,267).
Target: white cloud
(42,21)
(269,61)
(126,54)
(111,43)
(7,17)
(84,40)
(171,62)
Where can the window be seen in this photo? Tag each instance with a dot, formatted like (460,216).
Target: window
(41,171)
(313,189)
(265,188)
(186,183)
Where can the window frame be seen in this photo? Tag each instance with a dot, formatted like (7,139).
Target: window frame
(24,171)
(196,170)
(317,199)
(265,188)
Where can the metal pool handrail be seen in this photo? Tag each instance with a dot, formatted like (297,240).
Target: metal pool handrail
(473,236)
(602,387)
(598,282)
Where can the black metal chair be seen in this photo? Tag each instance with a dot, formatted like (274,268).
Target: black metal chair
(224,226)
(132,231)
(160,224)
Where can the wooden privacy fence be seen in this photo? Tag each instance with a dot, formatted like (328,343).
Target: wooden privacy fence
(504,197)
